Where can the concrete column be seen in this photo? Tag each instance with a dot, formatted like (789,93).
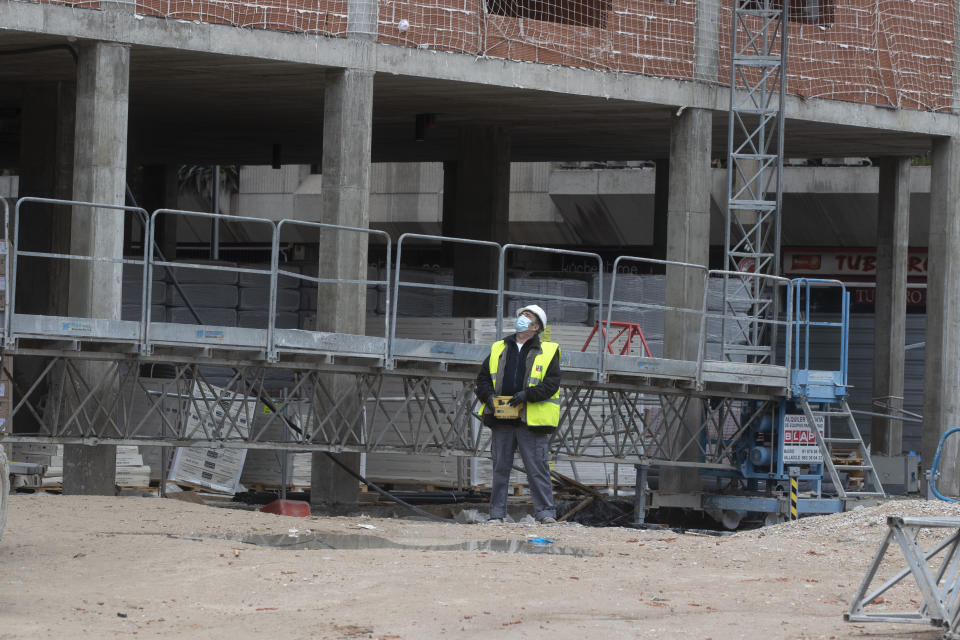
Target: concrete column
(100,170)
(478,208)
(345,197)
(661,201)
(941,405)
(893,226)
(688,231)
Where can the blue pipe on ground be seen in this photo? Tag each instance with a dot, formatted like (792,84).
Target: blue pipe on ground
(936,462)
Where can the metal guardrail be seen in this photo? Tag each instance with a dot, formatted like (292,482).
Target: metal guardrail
(276,271)
(14,252)
(202,336)
(5,324)
(392,336)
(774,322)
(265,341)
(612,302)
(602,343)
(800,301)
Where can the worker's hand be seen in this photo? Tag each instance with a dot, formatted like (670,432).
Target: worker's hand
(518,399)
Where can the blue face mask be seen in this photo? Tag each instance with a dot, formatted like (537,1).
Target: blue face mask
(522,323)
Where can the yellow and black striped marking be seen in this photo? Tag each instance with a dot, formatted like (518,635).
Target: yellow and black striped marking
(793,499)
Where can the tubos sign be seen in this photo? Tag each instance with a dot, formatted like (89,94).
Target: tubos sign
(845,262)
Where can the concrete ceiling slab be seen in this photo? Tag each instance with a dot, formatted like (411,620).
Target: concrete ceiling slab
(190,107)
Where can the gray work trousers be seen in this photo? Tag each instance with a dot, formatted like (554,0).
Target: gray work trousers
(506,440)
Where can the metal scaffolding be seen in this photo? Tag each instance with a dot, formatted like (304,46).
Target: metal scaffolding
(97,387)
(758,55)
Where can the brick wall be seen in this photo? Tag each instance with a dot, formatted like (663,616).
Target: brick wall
(895,53)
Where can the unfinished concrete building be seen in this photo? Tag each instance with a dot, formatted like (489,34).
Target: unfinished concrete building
(102,102)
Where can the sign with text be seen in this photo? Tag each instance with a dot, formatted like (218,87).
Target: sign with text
(799,444)
(845,262)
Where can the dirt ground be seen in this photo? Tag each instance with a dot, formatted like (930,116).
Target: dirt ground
(88,567)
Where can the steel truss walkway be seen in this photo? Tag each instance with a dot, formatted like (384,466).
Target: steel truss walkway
(390,394)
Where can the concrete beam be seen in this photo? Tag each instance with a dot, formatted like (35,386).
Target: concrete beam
(48,19)
(893,230)
(941,404)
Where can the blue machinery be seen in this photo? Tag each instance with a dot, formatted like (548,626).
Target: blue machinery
(739,423)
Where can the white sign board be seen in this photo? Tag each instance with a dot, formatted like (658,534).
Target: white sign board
(799,444)
(211,411)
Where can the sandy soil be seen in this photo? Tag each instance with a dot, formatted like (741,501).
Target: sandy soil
(81,567)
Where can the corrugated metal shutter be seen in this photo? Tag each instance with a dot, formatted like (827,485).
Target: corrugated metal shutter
(824,353)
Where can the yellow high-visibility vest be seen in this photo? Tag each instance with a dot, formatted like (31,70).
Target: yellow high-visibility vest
(535,414)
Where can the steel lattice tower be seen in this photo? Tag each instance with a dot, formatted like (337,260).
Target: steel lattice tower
(754,172)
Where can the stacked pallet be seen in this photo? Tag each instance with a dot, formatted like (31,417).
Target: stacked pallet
(253,298)
(132,294)
(49,455)
(535,287)
(421,301)
(264,468)
(131,471)
(376,298)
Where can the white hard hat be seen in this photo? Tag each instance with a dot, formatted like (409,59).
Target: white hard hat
(537,311)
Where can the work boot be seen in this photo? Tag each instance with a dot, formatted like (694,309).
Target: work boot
(548,520)
(495,521)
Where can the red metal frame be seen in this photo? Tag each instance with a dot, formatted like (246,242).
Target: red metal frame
(632,329)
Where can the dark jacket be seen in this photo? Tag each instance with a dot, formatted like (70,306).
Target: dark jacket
(515,373)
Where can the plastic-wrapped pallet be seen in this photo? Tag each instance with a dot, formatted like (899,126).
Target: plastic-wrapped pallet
(208,316)
(245,279)
(194,275)
(258,299)
(738,296)
(132,285)
(425,302)
(376,294)
(263,466)
(258,319)
(211,296)
(131,471)
(558,311)
(628,287)
(158,312)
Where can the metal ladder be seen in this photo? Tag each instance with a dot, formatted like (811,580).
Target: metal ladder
(849,440)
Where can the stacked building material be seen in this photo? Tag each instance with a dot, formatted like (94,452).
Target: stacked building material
(536,286)
(253,307)
(425,302)
(309,291)
(212,293)
(131,471)
(264,468)
(132,294)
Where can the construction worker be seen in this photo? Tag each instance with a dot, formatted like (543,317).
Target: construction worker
(527,369)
